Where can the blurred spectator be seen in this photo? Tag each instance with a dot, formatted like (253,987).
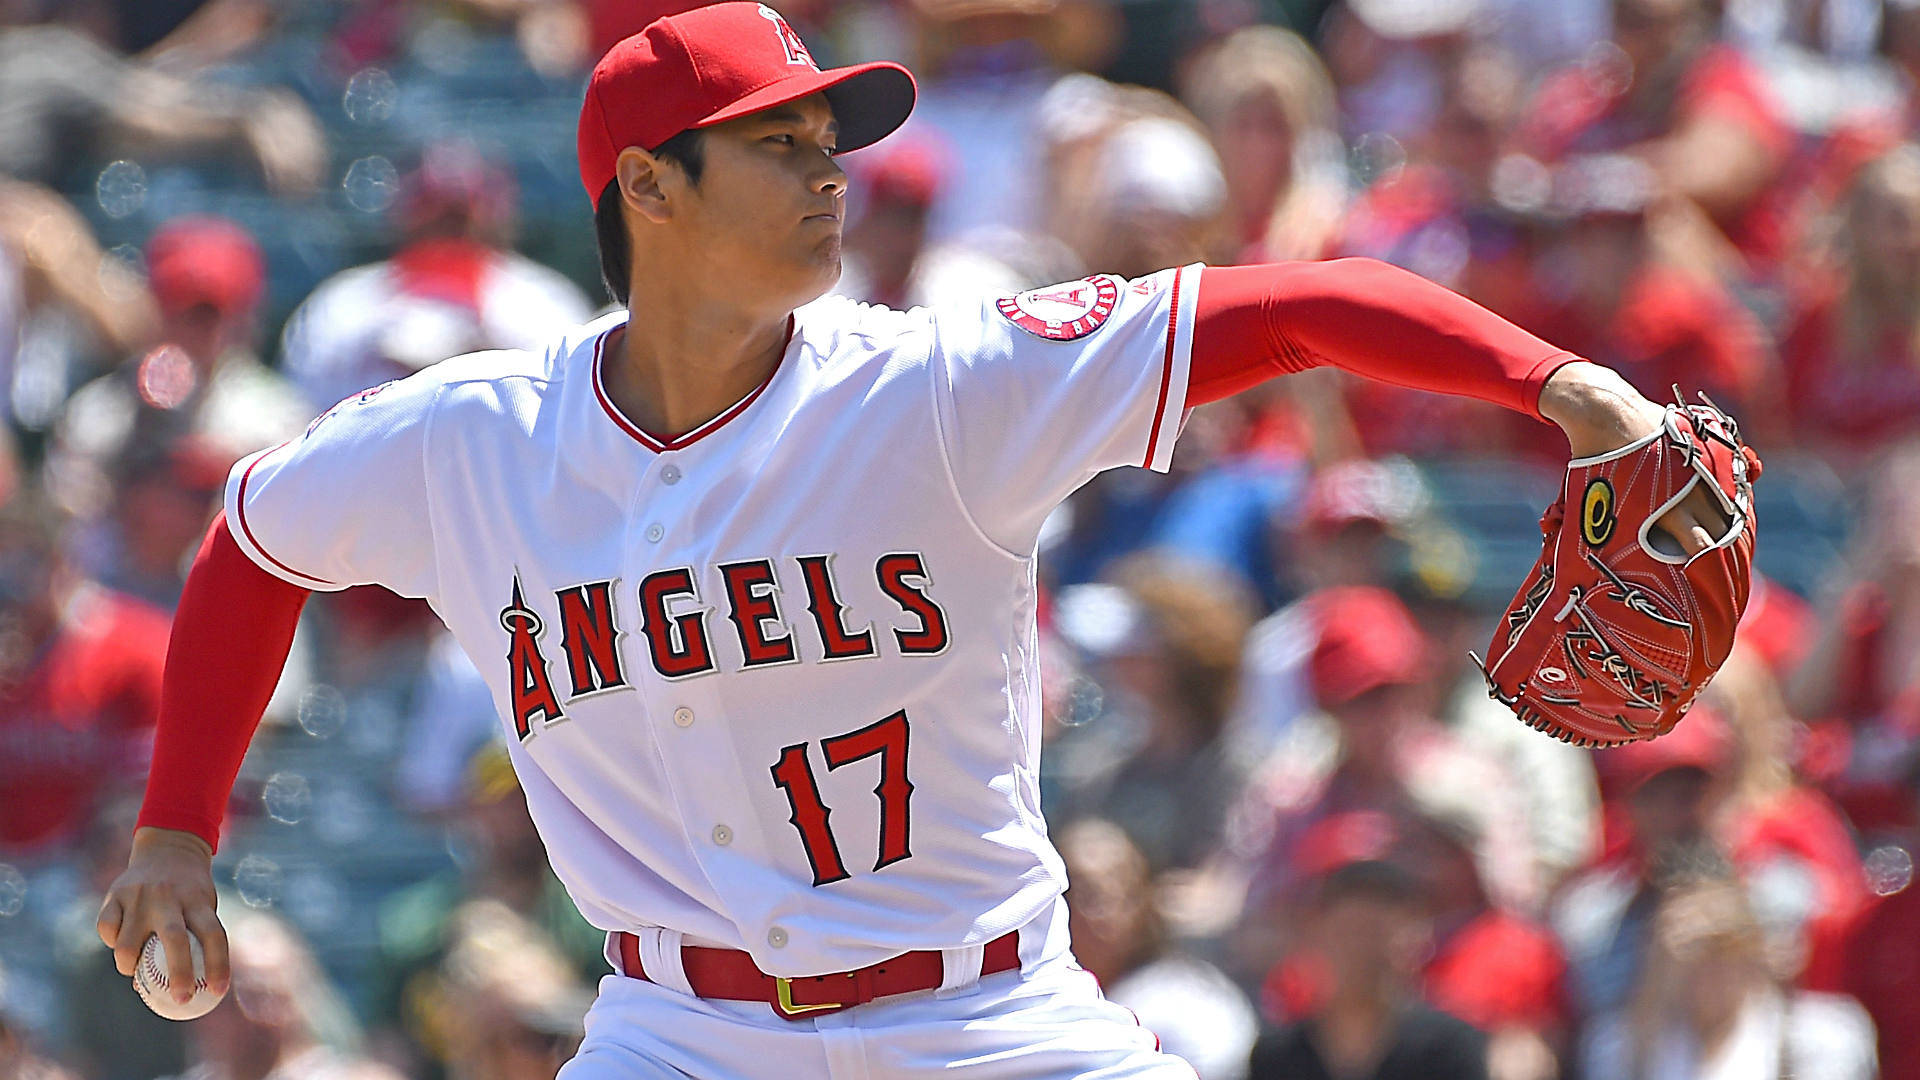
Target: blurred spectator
(1883,958)
(1389,59)
(1133,185)
(897,186)
(281,1018)
(205,379)
(1168,659)
(79,683)
(453,287)
(136,26)
(70,101)
(984,69)
(1662,796)
(1498,971)
(143,451)
(162,498)
(62,300)
(504,863)
(1346,532)
(1852,353)
(1863,669)
(1267,100)
(1614,299)
(1375,750)
(1213,506)
(1118,934)
(1706,1008)
(1693,107)
(1793,849)
(507,1005)
(1368,927)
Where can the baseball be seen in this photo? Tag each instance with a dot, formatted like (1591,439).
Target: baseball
(150,982)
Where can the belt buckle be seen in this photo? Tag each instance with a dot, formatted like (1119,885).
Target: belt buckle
(783,1004)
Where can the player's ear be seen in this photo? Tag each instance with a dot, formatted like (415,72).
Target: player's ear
(640,175)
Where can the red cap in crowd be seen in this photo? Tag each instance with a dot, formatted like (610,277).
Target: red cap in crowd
(1367,640)
(1701,740)
(1343,839)
(205,260)
(909,173)
(719,63)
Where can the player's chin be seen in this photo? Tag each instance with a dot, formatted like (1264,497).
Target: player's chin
(821,264)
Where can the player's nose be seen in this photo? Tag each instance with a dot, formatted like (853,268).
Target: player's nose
(828,178)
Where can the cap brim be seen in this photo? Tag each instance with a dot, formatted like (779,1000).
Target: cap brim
(869,101)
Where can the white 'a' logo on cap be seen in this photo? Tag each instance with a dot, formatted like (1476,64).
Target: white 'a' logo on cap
(797,53)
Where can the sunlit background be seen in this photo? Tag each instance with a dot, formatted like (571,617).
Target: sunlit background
(1286,804)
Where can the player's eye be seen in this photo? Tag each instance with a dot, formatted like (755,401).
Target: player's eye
(783,140)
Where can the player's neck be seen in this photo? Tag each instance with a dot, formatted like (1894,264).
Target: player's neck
(671,372)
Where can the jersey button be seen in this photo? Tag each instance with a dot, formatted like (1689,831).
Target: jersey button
(654,533)
(670,475)
(683,717)
(722,835)
(777,937)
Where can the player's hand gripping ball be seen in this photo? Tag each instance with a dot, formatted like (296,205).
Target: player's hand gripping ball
(150,981)
(1617,630)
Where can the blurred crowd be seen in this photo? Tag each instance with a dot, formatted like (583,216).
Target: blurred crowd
(1302,842)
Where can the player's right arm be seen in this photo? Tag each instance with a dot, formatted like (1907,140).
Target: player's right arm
(344,504)
(230,639)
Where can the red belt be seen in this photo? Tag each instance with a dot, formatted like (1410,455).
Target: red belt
(732,974)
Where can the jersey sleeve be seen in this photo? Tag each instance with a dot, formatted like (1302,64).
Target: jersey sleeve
(346,503)
(1037,393)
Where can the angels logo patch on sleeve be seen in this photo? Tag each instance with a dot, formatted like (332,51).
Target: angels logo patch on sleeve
(1064,312)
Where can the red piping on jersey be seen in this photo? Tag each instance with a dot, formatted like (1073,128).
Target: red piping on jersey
(240,506)
(1166,370)
(682,441)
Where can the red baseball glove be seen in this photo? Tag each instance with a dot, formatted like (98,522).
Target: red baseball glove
(1616,630)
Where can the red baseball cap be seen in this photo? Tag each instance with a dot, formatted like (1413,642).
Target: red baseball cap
(205,260)
(1367,639)
(717,63)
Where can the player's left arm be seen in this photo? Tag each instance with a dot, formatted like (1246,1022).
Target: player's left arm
(1384,323)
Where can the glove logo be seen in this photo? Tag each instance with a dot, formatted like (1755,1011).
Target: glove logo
(1596,512)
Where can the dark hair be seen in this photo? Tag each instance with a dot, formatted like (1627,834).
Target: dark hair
(1370,879)
(616,251)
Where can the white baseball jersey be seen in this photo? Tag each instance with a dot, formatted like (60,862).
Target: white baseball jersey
(772,683)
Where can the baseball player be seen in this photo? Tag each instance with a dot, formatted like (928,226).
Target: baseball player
(751,576)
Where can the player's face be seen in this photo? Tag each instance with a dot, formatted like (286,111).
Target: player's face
(771,200)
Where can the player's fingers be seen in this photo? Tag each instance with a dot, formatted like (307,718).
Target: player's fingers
(1696,522)
(135,928)
(213,946)
(108,924)
(173,938)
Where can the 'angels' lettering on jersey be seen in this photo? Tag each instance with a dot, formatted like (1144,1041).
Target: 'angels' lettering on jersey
(677,626)
(773,682)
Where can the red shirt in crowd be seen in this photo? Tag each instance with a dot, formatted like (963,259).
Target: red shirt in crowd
(1496,971)
(79,723)
(1500,971)
(1883,970)
(1859,398)
(1672,327)
(1584,111)
(1801,829)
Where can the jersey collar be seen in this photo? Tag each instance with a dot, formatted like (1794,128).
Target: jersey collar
(659,444)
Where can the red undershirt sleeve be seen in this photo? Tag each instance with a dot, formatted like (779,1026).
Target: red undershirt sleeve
(1363,316)
(231,634)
